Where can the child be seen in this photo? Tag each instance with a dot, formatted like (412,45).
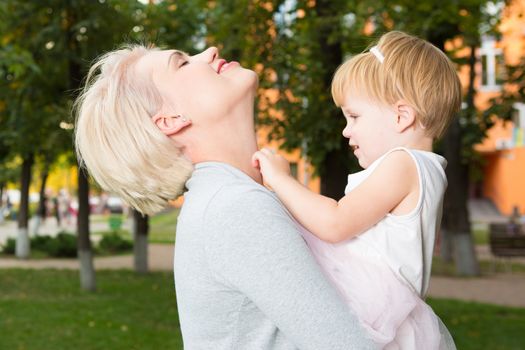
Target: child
(376,243)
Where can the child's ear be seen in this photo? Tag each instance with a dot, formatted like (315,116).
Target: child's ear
(170,124)
(405,116)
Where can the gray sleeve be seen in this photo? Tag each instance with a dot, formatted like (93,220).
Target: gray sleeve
(257,249)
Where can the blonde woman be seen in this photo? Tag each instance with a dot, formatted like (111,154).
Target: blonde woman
(152,122)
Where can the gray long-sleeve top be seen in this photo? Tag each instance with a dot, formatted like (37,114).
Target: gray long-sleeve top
(244,276)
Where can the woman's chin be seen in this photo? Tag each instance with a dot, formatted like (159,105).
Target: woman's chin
(253,78)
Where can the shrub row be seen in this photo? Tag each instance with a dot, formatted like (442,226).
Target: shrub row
(64,245)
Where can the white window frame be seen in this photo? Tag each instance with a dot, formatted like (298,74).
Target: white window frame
(520,107)
(490,51)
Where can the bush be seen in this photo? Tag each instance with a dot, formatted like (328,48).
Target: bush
(41,243)
(63,245)
(9,246)
(114,243)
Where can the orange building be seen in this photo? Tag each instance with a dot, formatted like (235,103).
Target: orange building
(503,149)
(299,165)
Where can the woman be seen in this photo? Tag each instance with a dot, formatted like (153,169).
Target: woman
(244,276)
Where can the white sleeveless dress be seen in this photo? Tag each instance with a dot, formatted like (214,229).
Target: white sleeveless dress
(383,273)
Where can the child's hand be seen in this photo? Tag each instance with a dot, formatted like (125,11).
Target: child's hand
(272,165)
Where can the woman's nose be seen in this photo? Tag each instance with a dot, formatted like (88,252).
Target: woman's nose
(208,55)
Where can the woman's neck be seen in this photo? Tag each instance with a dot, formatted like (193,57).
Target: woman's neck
(232,143)
(237,155)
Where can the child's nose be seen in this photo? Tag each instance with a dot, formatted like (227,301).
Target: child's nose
(347,132)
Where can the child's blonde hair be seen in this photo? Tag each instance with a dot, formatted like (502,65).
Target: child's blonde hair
(116,140)
(412,70)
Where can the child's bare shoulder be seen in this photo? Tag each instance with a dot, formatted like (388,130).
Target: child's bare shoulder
(398,161)
(399,168)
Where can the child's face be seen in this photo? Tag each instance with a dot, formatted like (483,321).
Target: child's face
(370,127)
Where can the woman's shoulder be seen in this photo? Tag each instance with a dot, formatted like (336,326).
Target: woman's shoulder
(242,200)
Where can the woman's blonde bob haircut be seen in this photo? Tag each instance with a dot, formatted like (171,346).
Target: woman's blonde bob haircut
(413,70)
(116,140)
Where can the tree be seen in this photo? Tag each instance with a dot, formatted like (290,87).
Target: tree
(88,29)
(20,71)
(309,42)
(57,39)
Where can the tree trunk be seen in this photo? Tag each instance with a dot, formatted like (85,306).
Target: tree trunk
(334,174)
(85,253)
(2,187)
(457,221)
(445,244)
(42,209)
(140,246)
(334,168)
(456,238)
(22,242)
(455,212)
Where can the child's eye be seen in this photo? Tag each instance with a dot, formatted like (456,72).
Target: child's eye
(183,64)
(353,116)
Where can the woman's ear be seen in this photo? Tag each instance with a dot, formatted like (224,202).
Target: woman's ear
(405,116)
(170,124)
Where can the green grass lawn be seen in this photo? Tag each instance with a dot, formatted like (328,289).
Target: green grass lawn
(481,326)
(442,268)
(162,227)
(44,309)
(480,236)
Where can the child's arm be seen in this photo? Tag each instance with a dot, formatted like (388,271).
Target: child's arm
(392,182)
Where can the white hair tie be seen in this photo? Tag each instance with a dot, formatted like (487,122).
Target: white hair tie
(376,52)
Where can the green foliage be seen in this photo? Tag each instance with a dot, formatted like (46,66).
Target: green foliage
(172,24)
(114,243)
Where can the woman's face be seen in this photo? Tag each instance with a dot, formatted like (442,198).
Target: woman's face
(199,86)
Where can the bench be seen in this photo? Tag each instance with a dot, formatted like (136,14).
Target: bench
(506,241)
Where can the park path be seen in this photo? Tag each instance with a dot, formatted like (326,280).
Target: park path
(502,289)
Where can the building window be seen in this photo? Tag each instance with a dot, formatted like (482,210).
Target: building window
(518,116)
(492,65)
(518,119)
